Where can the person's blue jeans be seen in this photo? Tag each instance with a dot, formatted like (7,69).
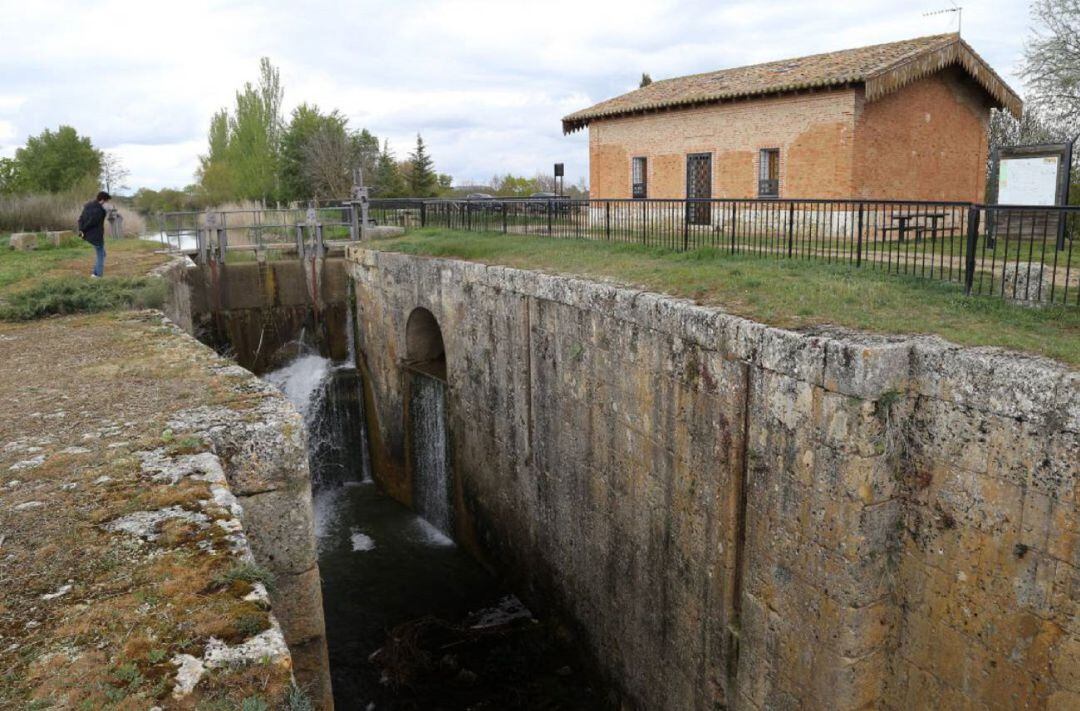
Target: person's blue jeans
(99,264)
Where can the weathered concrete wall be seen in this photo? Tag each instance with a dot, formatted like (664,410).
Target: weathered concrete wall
(266,454)
(732,513)
(252,309)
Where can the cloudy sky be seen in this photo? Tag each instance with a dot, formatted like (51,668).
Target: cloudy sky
(484,82)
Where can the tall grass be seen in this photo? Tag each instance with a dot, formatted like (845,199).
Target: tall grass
(41,212)
(73,295)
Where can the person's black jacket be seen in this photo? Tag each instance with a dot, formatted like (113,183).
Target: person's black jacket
(92,223)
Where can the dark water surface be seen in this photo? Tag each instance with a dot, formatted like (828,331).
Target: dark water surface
(383,565)
(451,636)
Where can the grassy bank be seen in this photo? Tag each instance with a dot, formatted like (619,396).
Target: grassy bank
(35,213)
(55,280)
(785,293)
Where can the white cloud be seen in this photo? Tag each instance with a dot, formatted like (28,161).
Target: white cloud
(485,81)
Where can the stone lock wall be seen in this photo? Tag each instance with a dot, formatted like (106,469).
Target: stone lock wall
(263,450)
(740,515)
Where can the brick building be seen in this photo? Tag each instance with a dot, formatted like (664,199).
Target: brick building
(903,120)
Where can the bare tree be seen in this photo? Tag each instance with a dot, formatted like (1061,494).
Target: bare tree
(544,183)
(329,158)
(1052,62)
(113,172)
(1031,127)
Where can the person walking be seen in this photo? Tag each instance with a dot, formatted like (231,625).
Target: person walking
(92,229)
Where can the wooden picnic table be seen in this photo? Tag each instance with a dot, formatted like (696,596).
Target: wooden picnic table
(904,218)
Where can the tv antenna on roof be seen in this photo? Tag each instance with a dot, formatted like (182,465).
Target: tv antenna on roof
(955,8)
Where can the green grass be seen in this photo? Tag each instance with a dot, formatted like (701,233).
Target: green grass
(787,293)
(55,280)
(74,295)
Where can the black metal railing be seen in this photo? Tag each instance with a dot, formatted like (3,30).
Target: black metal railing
(1026,254)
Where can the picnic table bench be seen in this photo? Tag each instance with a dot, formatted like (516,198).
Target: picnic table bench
(904,226)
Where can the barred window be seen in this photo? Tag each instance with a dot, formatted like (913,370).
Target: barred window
(769,172)
(640,178)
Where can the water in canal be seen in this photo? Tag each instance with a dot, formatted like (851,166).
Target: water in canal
(412,621)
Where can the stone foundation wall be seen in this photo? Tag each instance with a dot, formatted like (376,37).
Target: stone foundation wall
(742,515)
(263,447)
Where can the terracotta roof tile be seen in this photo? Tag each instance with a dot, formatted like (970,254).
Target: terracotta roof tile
(890,65)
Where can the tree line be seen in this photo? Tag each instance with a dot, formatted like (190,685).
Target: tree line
(59,162)
(253,153)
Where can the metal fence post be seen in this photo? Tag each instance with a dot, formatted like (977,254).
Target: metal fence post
(549,217)
(686,223)
(858,240)
(607,221)
(790,229)
(734,224)
(423,213)
(972,240)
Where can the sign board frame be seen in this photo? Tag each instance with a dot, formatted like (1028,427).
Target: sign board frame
(1062,151)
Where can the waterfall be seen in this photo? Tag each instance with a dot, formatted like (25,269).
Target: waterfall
(303,381)
(431,468)
(328,397)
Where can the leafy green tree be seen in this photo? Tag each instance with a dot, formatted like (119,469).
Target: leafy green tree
(388,179)
(304,123)
(10,176)
(254,135)
(53,162)
(319,153)
(244,147)
(513,186)
(423,181)
(215,176)
(366,147)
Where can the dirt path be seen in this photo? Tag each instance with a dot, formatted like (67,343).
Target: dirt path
(115,555)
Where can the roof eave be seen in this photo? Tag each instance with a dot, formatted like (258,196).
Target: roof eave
(581,119)
(958,51)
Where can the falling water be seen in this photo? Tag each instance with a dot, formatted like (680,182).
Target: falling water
(383,567)
(328,397)
(431,469)
(358,383)
(304,382)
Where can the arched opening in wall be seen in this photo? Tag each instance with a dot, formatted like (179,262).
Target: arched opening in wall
(424,349)
(428,437)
